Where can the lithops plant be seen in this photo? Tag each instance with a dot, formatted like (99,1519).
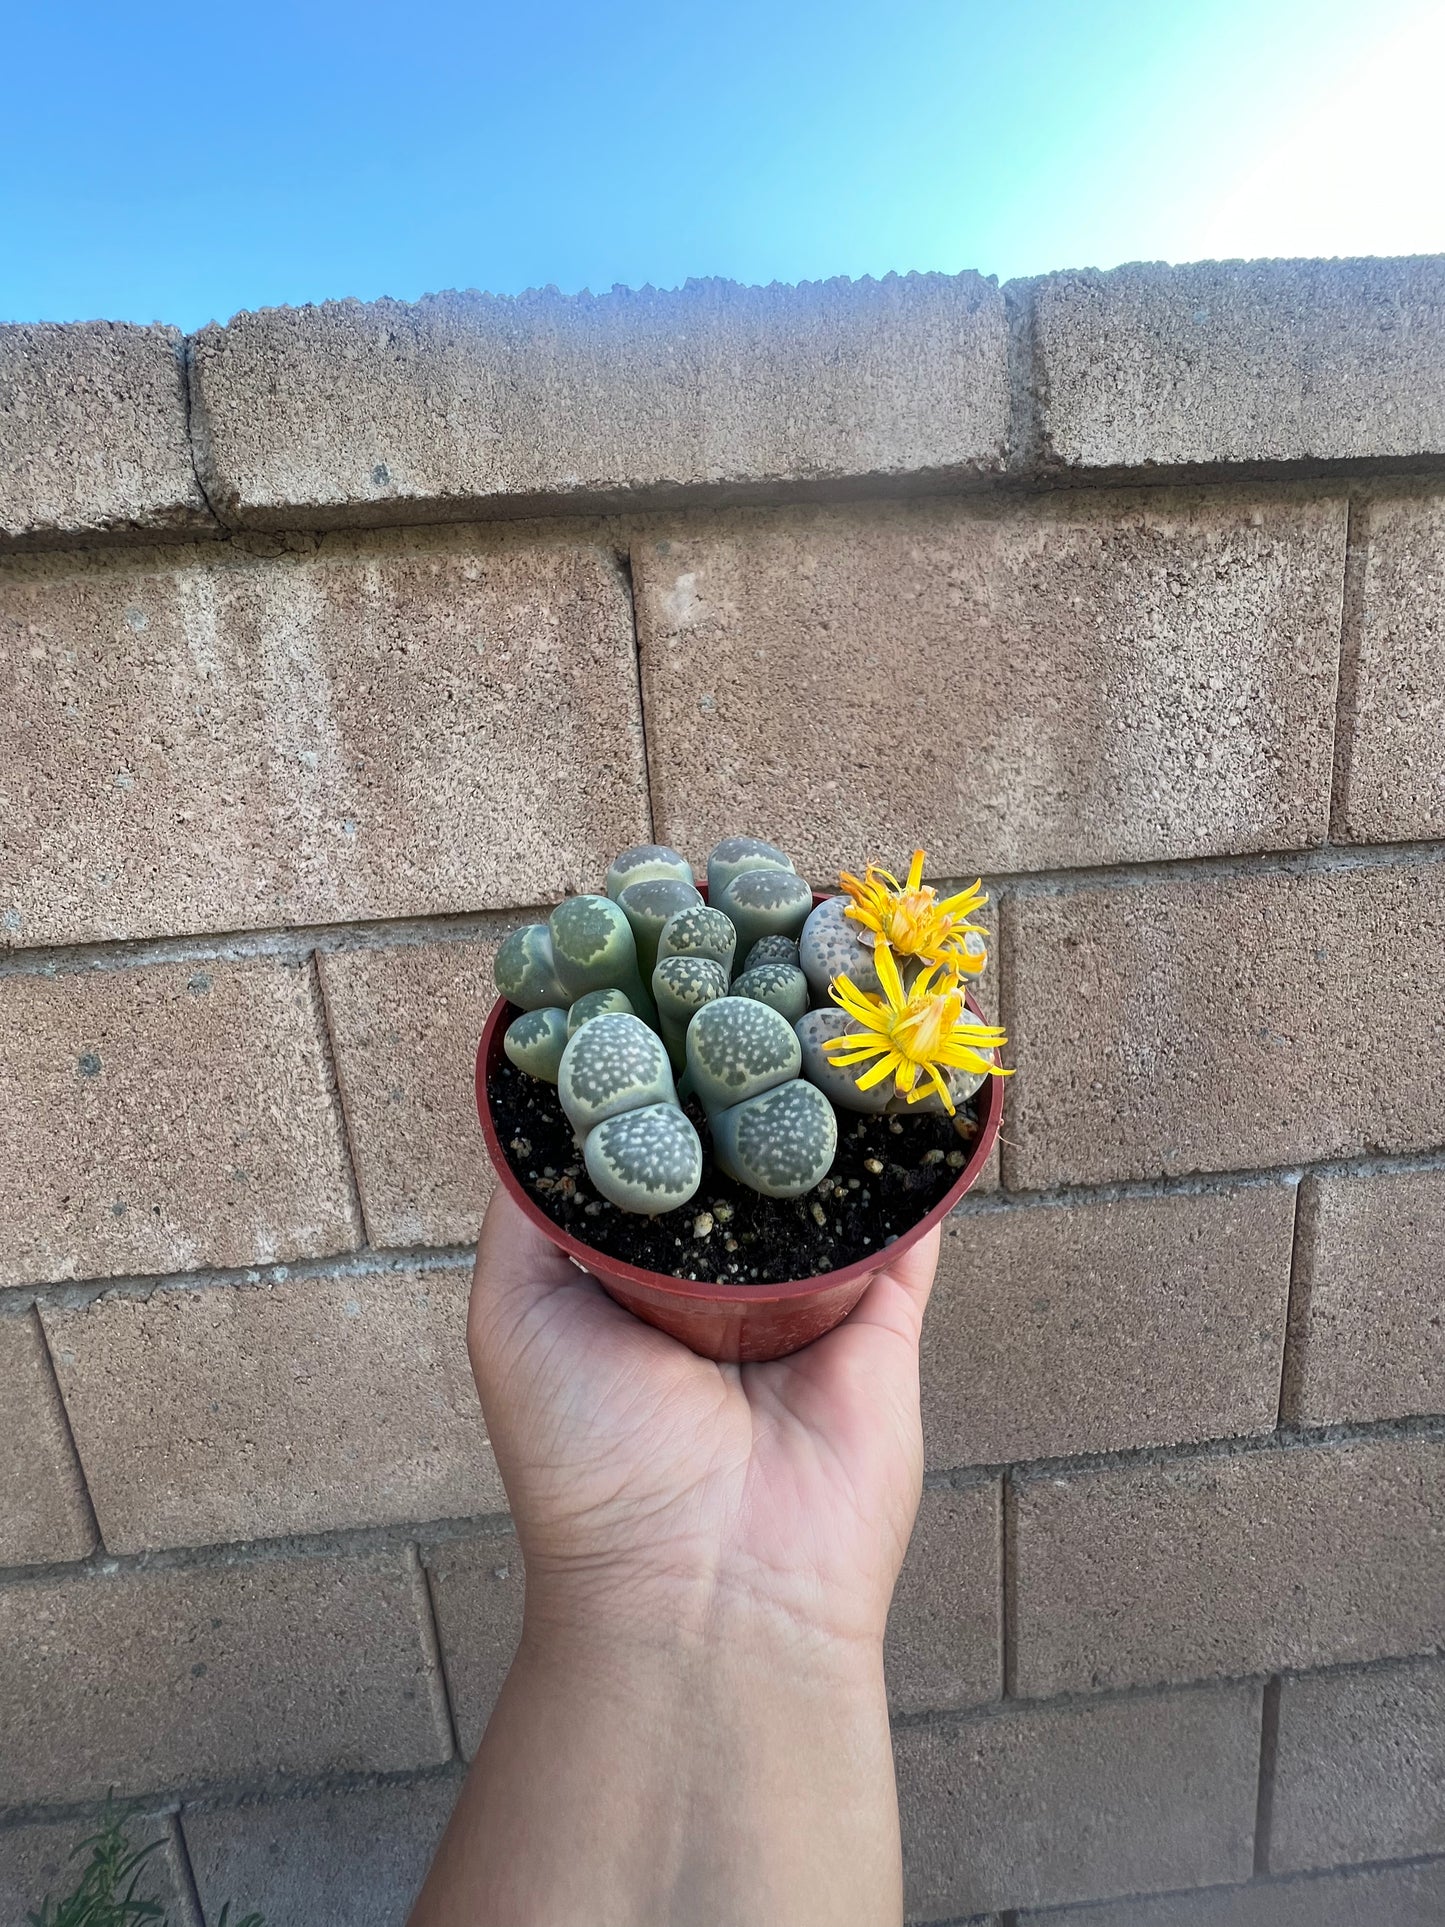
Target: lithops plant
(765,903)
(782,1143)
(770,1130)
(536,1040)
(782,985)
(699,932)
(597,1003)
(642,863)
(831,945)
(647,907)
(593,948)
(735,854)
(525,971)
(840,1084)
(615,1085)
(680,987)
(771,950)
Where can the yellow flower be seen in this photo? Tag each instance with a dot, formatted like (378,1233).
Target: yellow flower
(914,921)
(913,1033)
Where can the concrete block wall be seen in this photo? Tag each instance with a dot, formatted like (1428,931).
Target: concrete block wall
(336,640)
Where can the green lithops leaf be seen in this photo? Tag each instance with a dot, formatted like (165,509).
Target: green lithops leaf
(771,950)
(594,949)
(699,932)
(780,1143)
(736,1049)
(613,1064)
(643,862)
(647,907)
(829,947)
(781,985)
(765,903)
(535,1042)
(525,971)
(647,1160)
(682,985)
(735,854)
(836,1082)
(597,1003)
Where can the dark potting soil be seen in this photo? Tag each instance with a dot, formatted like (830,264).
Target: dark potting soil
(888,1173)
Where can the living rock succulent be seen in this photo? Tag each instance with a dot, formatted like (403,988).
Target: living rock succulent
(615,1084)
(781,985)
(619,993)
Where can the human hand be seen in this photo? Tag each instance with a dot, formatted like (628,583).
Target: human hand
(653,1488)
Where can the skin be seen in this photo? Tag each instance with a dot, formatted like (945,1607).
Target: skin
(695,1727)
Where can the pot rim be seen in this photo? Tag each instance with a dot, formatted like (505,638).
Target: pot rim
(593,1259)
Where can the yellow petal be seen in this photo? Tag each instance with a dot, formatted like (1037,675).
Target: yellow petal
(884,1068)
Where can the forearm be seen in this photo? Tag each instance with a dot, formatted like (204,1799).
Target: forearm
(735,1777)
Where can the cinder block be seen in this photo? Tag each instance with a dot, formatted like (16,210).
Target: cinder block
(1370,1338)
(339,730)
(354,1859)
(42,1862)
(1086,678)
(1382,1897)
(1095,1327)
(1034,1806)
(1231,1565)
(472,404)
(43,1510)
(476,1590)
(405,1022)
(165,1119)
(251,1412)
(1393,784)
(93,440)
(1360,1766)
(945,1630)
(154,1679)
(1239,362)
(1221,1023)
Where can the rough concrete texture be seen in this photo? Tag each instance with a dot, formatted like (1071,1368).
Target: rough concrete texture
(1141,1574)
(43,1510)
(137,1680)
(214,740)
(1095,1327)
(165,1119)
(1031,1807)
(476,1591)
(467,403)
(1238,361)
(351,1859)
(1085,679)
(93,439)
(1369,1339)
(1384,1897)
(1393,779)
(252,1412)
(36,1863)
(1360,1767)
(405,1023)
(1221,1023)
(945,1630)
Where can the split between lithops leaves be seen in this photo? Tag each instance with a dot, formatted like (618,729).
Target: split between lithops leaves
(642,863)
(648,906)
(699,932)
(598,1003)
(525,971)
(736,854)
(615,1085)
(765,903)
(736,1049)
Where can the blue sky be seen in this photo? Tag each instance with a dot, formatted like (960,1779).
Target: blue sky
(180,164)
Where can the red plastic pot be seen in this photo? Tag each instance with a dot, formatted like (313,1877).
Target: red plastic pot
(739,1323)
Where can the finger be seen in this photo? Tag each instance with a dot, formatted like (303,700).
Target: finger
(516,1263)
(900,1292)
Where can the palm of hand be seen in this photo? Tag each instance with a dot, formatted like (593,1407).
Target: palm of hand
(645,1479)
